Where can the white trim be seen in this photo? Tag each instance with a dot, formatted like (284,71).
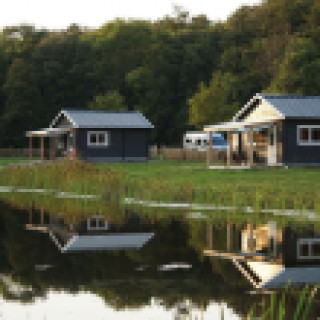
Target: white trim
(245,107)
(97,144)
(96,219)
(248,104)
(309,142)
(309,242)
(240,125)
(56,118)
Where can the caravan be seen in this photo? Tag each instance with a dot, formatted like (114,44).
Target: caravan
(199,140)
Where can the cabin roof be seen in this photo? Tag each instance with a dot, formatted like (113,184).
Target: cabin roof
(118,241)
(288,106)
(296,276)
(104,119)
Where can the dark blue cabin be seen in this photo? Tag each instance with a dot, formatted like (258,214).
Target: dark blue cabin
(97,136)
(274,130)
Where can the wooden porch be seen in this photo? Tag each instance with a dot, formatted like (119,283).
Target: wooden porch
(243,151)
(53,134)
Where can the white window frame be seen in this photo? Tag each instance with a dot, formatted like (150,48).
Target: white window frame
(309,142)
(308,242)
(98,144)
(96,220)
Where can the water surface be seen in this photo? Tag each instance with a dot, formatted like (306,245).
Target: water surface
(126,263)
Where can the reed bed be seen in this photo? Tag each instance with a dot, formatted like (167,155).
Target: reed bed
(275,307)
(75,209)
(67,176)
(257,190)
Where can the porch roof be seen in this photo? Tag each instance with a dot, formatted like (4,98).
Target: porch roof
(47,132)
(239,125)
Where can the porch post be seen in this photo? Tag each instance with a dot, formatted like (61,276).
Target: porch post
(30,147)
(230,144)
(229,237)
(250,147)
(30,215)
(209,235)
(239,145)
(42,216)
(42,147)
(209,150)
(52,147)
(250,240)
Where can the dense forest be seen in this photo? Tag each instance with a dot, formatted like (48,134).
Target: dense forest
(181,71)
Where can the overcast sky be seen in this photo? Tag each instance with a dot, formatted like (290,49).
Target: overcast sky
(59,14)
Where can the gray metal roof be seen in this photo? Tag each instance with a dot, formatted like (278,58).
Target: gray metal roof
(119,241)
(296,276)
(295,106)
(289,106)
(106,119)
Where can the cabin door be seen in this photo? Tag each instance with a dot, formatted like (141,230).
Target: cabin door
(272,145)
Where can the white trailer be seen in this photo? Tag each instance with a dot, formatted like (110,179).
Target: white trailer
(199,140)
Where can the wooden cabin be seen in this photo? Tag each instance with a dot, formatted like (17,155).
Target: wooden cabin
(96,136)
(274,130)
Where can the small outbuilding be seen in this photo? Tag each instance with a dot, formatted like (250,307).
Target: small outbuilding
(96,136)
(273,130)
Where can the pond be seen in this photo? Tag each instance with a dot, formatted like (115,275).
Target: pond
(138,264)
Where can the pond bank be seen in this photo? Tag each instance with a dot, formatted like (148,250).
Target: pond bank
(297,214)
(169,181)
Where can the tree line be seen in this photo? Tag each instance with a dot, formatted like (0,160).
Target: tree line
(181,72)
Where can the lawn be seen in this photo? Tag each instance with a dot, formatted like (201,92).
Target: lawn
(7,161)
(295,179)
(263,188)
(178,182)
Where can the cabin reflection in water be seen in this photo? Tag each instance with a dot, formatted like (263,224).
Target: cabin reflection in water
(269,256)
(92,233)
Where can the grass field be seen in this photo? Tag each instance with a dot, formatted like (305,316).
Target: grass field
(178,182)
(264,188)
(7,161)
(181,173)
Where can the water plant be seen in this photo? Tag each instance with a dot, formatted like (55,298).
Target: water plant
(274,308)
(297,189)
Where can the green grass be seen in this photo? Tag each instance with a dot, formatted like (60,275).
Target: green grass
(294,179)
(8,161)
(261,188)
(178,182)
(67,176)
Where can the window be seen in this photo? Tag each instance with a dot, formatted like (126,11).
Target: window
(308,249)
(188,141)
(97,223)
(308,135)
(98,138)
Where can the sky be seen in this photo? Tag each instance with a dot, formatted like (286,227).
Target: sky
(59,14)
(84,306)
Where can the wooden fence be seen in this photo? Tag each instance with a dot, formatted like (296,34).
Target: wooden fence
(18,152)
(165,153)
(170,153)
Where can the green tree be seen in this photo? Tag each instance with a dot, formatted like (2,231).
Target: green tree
(299,71)
(22,102)
(112,100)
(214,103)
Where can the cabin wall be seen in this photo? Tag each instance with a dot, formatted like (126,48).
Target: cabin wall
(293,154)
(290,248)
(125,145)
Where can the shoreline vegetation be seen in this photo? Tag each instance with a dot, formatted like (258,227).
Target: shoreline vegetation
(173,181)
